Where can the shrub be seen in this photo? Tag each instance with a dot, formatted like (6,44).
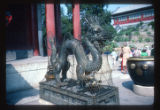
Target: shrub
(133,40)
(120,33)
(118,38)
(147,39)
(126,39)
(136,33)
(146,30)
(132,46)
(140,39)
(152,24)
(148,33)
(109,46)
(141,23)
(128,32)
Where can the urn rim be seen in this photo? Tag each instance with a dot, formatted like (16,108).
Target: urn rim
(142,58)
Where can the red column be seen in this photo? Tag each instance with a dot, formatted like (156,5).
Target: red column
(50,24)
(34,30)
(117,21)
(76,21)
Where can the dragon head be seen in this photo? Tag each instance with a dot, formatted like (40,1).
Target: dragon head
(95,32)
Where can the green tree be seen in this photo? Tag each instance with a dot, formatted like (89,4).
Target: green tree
(66,23)
(94,10)
(148,33)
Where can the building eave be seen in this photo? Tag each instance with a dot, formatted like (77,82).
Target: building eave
(130,11)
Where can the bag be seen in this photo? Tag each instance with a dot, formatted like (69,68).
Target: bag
(121,55)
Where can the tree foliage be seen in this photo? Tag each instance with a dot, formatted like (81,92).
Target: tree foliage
(104,18)
(109,46)
(66,23)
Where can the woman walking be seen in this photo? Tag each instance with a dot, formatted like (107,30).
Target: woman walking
(126,54)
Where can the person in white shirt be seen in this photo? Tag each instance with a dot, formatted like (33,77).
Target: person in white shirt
(114,56)
(148,50)
(126,54)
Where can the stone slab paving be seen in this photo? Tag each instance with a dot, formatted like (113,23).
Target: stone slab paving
(126,94)
(120,80)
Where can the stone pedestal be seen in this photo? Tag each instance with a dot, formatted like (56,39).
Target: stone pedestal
(143,90)
(72,95)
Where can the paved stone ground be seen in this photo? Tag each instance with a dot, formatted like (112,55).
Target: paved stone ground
(120,80)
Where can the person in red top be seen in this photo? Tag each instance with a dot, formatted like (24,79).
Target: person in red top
(121,56)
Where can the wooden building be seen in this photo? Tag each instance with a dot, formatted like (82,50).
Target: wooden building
(132,15)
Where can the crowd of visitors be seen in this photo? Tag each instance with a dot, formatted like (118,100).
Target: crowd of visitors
(127,52)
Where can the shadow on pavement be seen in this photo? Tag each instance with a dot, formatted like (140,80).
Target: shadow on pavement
(22,96)
(17,87)
(128,85)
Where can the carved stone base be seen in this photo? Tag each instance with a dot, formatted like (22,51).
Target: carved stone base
(72,95)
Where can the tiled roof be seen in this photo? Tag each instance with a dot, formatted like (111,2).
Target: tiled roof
(130,8)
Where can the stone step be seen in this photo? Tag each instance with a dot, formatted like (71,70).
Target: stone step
(18,54)
(25,74)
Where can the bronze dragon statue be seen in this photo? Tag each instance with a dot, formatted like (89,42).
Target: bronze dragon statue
(58,61)
(84,65)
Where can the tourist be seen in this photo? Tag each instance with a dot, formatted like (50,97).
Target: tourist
(139,50)
(148,50)
(144,53)
(118,51)
(136,52)
(121,56)
(152,50)
(132,51)
(126,54)
(114,56)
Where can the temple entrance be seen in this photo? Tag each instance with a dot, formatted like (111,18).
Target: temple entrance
(20,38)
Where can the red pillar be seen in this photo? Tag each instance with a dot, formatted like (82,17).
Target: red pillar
(34,30)
(50,24)
(117,21)
(76,21)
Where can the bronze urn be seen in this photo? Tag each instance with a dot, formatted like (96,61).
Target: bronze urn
(141,70)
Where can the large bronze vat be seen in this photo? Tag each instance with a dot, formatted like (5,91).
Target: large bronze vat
(141,70)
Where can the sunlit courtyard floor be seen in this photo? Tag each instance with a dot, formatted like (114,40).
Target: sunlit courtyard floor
(120,80)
